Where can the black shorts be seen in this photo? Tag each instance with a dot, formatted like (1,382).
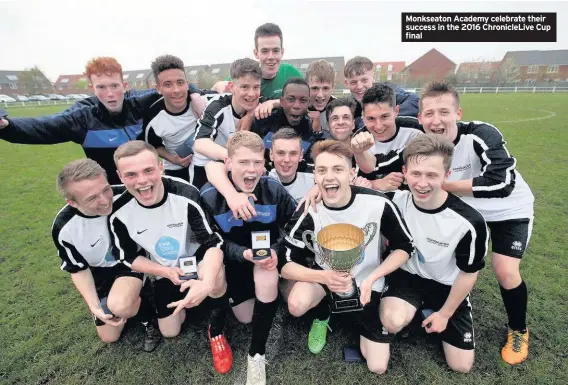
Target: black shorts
(199,177)
(240,282)
(104,278)
(511,237)
(182,173)
(165,293)
(369,321)
(425,293)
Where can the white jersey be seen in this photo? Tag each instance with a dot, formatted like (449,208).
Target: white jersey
(406,129)
(218,123)
(82,240)
(448,239)
(366,206)
(499,191)
(162,128)
(299,187)
(173,228)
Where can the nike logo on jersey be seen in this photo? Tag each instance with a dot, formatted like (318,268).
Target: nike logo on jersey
(93,245)
(140,232)
(112,139)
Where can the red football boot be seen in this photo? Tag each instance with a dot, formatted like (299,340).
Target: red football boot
(222,353)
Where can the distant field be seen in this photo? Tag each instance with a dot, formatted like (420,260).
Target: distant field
(48,336)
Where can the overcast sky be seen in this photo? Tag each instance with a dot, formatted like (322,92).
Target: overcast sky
(61,36)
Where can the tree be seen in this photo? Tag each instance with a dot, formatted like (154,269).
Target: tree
(34,80)
(508,71)
(206,79)
(82,84)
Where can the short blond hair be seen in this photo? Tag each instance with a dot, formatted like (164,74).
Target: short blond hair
(77,171)
(246,139)
(320,71)
(332,146)
(133,147)
(423,146)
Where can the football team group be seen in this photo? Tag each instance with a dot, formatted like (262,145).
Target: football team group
(176,181)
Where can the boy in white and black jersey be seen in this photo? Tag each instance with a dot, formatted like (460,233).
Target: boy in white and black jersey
(169,124)
(80,233)
(162,215)
(343,203)
(389,132)
(286,154)
(484,175)
(222,117)
(450,240)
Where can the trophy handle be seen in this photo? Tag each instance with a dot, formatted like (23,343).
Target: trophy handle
(307,242)
(372,229)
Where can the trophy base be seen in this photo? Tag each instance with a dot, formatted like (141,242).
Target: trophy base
(187,277)
(345,302)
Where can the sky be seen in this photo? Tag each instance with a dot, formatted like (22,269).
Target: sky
(60,36)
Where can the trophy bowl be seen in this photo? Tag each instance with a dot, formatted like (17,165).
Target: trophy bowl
(341,246)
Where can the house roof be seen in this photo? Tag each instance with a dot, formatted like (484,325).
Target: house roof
(432,51)
(5,79)
(192,70)
(337,62)
(397,66)
(136,75)
(474,67)
(69,79)
(554,57)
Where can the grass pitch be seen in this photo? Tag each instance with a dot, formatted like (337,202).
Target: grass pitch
(48,336)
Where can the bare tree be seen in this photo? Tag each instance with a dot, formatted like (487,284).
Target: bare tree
(509,71)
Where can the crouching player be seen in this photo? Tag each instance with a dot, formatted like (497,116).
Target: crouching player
(344,203)
(162,216)
(252,282)
(450,239)
(80,233)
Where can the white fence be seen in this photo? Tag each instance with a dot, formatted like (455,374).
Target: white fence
(486,90)
(37,103)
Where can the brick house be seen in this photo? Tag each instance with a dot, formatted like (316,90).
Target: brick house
(432,66)
(22,83)
(539,66)
(72,84)
(388,70)
(138,79)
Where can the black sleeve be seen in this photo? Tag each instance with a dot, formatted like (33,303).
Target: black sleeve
(497,178)
(71,260)
(124,248)
(390,162)
(200,226)
(59,128)
(262,126)
(212,118)
(292,247)
(472,248)
(87,102)
(231,250)
(394,229)
(152,138)
(285,210)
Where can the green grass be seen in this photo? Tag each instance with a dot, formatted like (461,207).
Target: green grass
(48,336)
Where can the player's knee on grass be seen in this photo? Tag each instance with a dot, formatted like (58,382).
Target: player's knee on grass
(265,284)
(109,334)
(170,326)
(376,354)
(459,360)
(506,270)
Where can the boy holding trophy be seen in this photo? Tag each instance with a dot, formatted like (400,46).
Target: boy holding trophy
(346,229)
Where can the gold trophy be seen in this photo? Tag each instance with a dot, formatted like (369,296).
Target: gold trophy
(340,247)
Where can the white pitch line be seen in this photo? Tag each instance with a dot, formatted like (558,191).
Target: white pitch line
(551,114)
